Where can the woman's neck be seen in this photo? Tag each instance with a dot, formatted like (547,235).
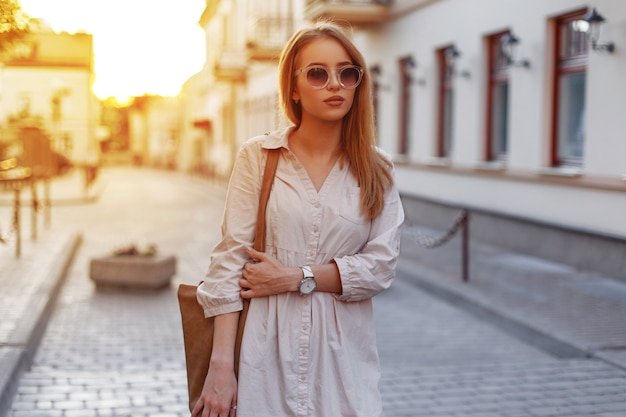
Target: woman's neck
(318,140)
(317,150)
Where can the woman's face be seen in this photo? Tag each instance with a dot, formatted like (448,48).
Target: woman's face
(333,101)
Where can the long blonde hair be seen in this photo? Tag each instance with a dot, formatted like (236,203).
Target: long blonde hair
(358,139)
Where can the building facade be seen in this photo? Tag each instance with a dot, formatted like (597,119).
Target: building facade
(235,96)
(527,134)
(154,131)
(48,77)
(513,110)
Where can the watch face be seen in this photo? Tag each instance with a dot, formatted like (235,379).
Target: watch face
(307,286)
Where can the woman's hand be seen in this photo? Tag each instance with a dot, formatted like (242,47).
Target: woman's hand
(265,276)
(219,394)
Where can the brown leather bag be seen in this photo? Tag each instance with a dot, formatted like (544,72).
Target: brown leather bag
(198,330)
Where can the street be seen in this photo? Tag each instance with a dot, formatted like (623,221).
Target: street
(120,353)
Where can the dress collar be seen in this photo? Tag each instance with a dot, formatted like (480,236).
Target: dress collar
(278,138)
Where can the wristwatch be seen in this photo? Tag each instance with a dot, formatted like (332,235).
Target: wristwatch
(308,284)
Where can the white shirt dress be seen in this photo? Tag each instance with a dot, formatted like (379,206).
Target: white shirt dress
(316,355)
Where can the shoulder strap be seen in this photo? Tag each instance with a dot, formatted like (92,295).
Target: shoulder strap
(268,178)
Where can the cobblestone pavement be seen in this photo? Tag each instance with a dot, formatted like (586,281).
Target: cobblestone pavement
(582,309)
(119,353)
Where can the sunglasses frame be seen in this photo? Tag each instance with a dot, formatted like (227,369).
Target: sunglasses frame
(330,72)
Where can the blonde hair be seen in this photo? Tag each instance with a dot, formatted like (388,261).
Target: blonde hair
(358,139)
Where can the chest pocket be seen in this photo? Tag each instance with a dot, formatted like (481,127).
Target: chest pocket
(350,206)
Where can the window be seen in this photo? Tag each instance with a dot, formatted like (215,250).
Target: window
(497,100)
(405,65)
(445,104)
(24,99)
(568,111)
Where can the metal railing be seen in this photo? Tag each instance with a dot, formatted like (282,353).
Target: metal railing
(460,223)
(269,33)
(27,159)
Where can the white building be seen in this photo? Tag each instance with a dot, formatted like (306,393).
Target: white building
(532,144)
(535,151)
(235,96)
(154,124)
(49,76)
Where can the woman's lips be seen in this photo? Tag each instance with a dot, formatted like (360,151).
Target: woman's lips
(335,100)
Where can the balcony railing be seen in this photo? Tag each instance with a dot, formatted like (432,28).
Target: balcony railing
(356,12)
(267,37)
(231,65)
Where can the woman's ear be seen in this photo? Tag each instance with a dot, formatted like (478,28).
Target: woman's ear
(295,97)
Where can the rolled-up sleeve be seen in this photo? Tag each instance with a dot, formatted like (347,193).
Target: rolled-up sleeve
(372,269)
(219,292)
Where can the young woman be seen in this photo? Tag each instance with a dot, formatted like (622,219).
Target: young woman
(333,235)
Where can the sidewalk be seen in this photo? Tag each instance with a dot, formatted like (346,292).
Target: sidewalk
(568,311)
(30,284)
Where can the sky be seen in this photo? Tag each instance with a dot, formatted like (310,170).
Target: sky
(140,46)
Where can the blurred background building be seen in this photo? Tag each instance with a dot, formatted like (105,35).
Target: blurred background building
(154,130)
(235,96)
(46,82)
(513,109)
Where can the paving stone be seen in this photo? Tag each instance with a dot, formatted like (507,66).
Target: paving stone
(581,308)
(112,353)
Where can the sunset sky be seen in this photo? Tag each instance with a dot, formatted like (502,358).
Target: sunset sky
(140,46)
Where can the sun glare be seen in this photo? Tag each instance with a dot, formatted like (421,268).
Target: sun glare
(140,46)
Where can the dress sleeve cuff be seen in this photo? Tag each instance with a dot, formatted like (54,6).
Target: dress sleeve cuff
(213,308)
(346,278)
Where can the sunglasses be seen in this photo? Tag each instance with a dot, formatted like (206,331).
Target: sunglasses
(318,77)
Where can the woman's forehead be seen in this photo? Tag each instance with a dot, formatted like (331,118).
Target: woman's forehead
(324,50)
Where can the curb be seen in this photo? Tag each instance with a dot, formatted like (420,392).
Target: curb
(17,356)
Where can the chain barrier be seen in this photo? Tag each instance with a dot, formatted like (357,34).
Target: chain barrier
(429,242)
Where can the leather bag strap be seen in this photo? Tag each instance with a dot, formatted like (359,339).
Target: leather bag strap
(268,178)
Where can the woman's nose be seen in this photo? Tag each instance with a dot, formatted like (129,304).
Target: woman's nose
(333,82)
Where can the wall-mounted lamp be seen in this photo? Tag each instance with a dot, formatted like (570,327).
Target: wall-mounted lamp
(377,71)
(451,56)
(409,62)
(508,47)
(407,66)
(592,23)
(410,65)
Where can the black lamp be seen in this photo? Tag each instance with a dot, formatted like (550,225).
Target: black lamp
(595,21)
(508,46)
(451,55)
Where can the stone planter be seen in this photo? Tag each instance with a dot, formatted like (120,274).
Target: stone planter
(150,272)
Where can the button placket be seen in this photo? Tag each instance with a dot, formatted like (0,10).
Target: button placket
(312,242)
(303,357)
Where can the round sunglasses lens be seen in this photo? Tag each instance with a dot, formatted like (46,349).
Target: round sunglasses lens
(317,76)
(349,76)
